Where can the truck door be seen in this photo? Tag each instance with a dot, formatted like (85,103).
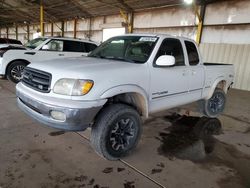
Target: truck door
(196,69)
(169,85)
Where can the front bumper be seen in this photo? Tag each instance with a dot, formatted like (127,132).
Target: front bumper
(77,119)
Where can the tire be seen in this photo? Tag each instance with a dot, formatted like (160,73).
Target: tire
(214,106)
(14,71)
(116,131)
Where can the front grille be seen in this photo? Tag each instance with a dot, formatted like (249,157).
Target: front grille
(36,79)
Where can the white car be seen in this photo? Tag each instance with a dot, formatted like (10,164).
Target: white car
(12,62)
(126,78)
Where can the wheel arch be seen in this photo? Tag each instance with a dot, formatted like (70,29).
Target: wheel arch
(132,95)
(23,60)
(220,83)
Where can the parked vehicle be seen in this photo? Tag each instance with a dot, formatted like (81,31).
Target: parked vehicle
(126,78)
(12,62)
(5,41)
(9,44)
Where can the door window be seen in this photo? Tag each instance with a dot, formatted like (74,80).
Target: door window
(193,56)
(172,47)
(55,45)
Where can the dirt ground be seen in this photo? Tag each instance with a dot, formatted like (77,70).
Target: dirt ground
(176,150)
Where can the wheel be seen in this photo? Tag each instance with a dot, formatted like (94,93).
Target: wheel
(207,127)
(116,131)
(215,105)
(14,71)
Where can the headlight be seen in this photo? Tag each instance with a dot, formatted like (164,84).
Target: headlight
(73,87)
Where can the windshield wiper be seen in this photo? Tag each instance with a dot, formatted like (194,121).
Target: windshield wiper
(122,59)
(115,58)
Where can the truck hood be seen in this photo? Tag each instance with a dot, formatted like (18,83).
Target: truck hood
(80,67)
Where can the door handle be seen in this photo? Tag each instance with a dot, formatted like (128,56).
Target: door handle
(193,72)
(61,54)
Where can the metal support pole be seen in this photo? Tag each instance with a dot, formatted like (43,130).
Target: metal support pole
(41,18)
(75,24)
(129,20)
(28,33)
(62,28)
(7,32)
(201,16)
(52,29)
(16,32)
(90,25)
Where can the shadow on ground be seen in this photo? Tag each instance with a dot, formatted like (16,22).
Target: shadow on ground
(192,138)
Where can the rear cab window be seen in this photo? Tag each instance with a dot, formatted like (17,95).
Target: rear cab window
(193,56)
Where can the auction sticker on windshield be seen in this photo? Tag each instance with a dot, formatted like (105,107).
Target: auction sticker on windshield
(148,39)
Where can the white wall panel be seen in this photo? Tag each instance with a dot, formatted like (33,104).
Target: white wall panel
(238,55)
(82,24)
(189,32)
(228,12)
(164,18)
(113,19)
(96,22)
(227,34)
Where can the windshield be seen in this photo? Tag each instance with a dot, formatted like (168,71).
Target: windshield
(35,42)
(136,49)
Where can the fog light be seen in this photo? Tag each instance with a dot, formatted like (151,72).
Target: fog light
(58,115)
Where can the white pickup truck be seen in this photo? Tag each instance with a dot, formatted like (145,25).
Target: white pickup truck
(122,81)
(12,62)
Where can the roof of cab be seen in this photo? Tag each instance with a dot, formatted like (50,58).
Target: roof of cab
(161,35)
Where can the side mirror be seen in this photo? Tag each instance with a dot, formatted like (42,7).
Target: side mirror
(45,47)
(165,61)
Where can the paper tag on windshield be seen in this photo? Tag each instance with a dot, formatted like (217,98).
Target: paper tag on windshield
(148,39)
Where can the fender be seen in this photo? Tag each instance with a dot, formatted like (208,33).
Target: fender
(10,56)
(129,88)
(218,80)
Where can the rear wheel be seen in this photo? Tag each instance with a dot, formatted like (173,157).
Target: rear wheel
(116,131)
(14,71)
(215,105)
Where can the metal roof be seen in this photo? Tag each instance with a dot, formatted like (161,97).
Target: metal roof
(27,11)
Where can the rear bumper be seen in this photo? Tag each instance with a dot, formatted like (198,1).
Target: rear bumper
(77,119)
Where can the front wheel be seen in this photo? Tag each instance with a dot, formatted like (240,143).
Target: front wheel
(215,105)
(116,131)
(14,71)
